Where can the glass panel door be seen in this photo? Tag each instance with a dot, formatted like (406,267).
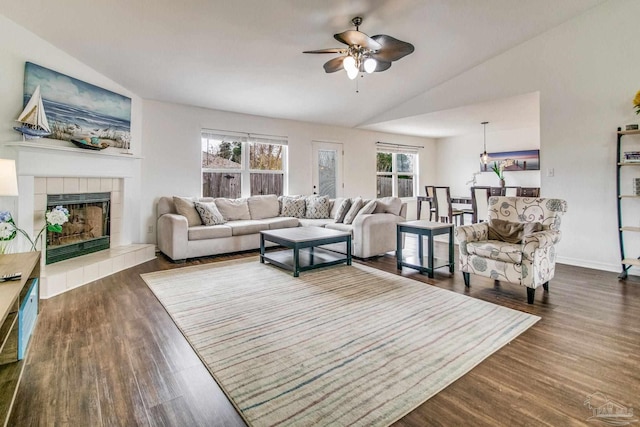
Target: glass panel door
(327,169)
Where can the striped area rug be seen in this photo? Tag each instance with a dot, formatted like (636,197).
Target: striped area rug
(339,346)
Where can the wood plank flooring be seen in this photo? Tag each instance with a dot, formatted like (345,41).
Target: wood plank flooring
(107,354)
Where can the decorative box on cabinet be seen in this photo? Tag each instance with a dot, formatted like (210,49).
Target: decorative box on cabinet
(18,314)
(27,318)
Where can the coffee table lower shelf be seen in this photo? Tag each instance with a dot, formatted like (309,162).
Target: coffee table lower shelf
(308,258)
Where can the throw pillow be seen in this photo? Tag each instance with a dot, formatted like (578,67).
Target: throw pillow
(293,206)
(233,209)
(185,206)
(356,205)
(368,208)
(209,213)
(266,206)
(342,210)
(392,205)
(511,232)
(317,207)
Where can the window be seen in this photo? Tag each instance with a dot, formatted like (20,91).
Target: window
(396,170)
(242,165)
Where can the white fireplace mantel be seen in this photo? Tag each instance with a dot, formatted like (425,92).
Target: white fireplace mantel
(56,164)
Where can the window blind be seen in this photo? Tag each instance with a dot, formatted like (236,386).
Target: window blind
(388,147)
(268,139)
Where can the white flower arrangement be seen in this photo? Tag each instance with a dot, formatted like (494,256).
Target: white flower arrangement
(8,228)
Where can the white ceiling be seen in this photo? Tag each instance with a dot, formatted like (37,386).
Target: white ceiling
(246,55)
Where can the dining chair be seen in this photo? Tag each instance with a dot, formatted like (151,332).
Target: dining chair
(512,191)
(530,191)
(444,209)
(431,193)
(480,203)
(497,191)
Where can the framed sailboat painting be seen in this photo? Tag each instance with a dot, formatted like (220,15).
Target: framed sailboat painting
(77,110)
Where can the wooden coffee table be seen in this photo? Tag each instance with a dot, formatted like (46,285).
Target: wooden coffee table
(304,252)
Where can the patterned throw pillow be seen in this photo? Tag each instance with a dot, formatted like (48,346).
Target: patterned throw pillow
(342,210)
(185,207)
(209,213)
(356,205)
(317,207)
(293,206)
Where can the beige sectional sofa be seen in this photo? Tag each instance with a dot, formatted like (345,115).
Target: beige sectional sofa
(182,235)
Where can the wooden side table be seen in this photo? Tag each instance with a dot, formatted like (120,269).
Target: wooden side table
(19,305)
(429,229)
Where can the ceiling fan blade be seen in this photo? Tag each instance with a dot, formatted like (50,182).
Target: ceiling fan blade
(334,64)
(330,50)
(392,48)
(351,37)
(381,66)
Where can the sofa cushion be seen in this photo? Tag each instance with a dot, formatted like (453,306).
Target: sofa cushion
(204,232)
(342,210)
(319,222)
(368,208)
(281,222)
(335,204)
(233,209)
(356,205)
(496,250)
(317,207)
(251,226)
(185,206)
(391,205)
(511,232)
(209,213)
(293,206)
(261,207)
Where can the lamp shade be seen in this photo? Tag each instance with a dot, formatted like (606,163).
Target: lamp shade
(8,178)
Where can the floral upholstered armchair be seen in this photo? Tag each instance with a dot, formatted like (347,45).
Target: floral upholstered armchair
(509,246)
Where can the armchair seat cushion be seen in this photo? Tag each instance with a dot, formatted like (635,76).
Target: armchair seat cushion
(496,250)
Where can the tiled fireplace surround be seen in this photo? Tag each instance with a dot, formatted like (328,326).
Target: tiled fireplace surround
(56,167)
(62,276)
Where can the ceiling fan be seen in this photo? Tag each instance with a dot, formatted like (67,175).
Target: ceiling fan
(364,53)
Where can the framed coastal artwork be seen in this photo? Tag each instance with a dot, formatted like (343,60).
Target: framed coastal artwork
(525,160)
(80,110)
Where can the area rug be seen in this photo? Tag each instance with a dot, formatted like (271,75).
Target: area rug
(343,345)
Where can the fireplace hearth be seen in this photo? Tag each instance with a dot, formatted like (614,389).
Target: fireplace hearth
(88,228)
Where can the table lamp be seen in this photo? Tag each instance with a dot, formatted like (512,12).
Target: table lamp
(8,178)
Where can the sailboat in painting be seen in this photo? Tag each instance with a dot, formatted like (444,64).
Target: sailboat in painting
(33,119)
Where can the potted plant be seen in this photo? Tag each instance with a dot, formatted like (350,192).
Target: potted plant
(498,168)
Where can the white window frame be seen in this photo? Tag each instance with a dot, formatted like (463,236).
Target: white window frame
(245,172)
(394,150)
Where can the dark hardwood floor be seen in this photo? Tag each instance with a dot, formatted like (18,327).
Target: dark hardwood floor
(108,354)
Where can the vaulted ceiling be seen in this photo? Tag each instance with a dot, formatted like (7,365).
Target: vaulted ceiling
(246,56)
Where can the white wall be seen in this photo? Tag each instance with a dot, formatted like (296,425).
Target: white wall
(17,45)
(461,153)
(586,71)
(172,152)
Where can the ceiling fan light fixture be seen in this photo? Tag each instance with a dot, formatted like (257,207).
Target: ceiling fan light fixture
(370,65)
(364,53)
(350,67)
(349,63)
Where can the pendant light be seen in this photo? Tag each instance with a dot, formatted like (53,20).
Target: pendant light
(485,156)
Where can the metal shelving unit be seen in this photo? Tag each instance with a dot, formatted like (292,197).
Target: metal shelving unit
(626,262)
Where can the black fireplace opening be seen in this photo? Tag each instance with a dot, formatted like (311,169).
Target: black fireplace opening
(87,230)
